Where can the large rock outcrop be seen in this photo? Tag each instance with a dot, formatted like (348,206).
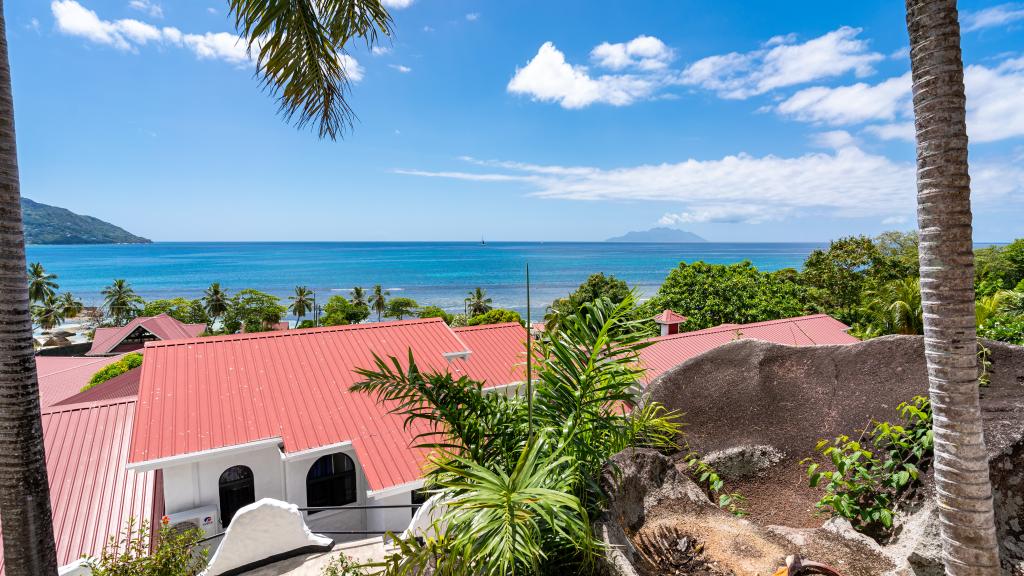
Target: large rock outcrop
(759,408)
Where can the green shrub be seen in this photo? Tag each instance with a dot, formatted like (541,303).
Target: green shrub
(1004,328)
(435,312)
(495,316)
(109,371)
(707,477)
(342,566)
(869,477)
(135,553)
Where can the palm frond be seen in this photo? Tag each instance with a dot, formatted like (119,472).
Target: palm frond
(299,46)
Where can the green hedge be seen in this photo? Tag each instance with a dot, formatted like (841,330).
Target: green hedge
(112,370)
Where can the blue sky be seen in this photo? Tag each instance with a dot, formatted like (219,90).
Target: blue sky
(569,120)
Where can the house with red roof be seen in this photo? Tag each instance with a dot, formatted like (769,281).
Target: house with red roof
(232,419)
(134,335)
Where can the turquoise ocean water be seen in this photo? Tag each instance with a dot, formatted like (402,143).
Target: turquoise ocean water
(438,273)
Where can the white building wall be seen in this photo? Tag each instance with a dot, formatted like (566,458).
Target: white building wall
(390,519)
(297,466)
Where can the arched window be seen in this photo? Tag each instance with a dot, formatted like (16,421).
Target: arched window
(236,490)
(331,481)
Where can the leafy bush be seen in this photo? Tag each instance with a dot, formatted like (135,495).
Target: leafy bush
(401,307)
(340,311)
(135,553)
(181,309)
(342,566)
(435,312)
(495,316)
(253,310)
(594,287)
(706,476)
(1004,328)
(868,478)
(129,362)
(713,294)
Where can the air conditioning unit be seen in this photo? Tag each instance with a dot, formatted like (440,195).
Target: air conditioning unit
(204,519)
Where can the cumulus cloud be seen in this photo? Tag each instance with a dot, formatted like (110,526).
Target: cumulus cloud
(380,50)
(847,182)
(852,104)
(400,68)
(397,4)
(643,52)
(549,78)
(994,111)
(153,9)
(473,16)
(991,17)
(834,139)
(128,34)
(782,62)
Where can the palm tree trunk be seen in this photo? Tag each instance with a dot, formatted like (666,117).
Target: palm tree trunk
(24,493)
(947,289)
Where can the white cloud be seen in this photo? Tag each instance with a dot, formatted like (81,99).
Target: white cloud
(400,68)
(644,52)
(33,25)
(153,9)
(833,139)
(211,10)
(549,78)
(397,4)
(212,45)
(781,62)
(473,16)
(994,110)
(428,29)
(848,182)
(849,104)
(76,20)
(1000,15)
(380,50)
(352,68)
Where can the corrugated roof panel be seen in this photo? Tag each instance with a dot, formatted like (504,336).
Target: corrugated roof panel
(61,377)
(162,326)
(92,493)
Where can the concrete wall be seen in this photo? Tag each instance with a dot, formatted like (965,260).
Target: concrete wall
(195,484)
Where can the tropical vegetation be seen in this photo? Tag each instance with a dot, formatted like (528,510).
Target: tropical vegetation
(302,302)
(477,302)
(137,552)
(215,301)
(121,302)
(378,301)
(253,311)
(495,316)
(339,311)
(113,370)
(41,284)
(181,309)
(518,474)
(401,307)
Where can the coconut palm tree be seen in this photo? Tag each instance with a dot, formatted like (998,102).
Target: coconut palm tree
(302,302)
(49,313)
(72,306)
(963,489)
(477,302)
(358,296)
(40,283)
(297,44)
(898,305)
(24,492)
(216,301)
(121,301)
(378,301)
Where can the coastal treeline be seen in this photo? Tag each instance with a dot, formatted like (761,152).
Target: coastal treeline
(870,283)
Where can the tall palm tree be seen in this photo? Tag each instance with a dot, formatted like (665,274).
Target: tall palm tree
(378,301)
(121,301)
(297,45)
(358,296)
(72,305)
(963,488)
(302,302)
(898,304)
(49,313)
(24,492)
(215,300)
(477,302)
(40,283)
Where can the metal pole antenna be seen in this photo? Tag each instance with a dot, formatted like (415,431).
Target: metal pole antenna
(529,356)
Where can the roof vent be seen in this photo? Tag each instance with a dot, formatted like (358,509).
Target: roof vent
(452,356)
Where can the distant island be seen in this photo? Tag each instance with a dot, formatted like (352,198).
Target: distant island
(46,224)
(658,235)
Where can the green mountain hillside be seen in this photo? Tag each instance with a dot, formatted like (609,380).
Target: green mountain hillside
(46,224)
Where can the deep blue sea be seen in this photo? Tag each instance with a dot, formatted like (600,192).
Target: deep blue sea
(438,273)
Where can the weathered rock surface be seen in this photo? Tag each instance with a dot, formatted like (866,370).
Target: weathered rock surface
(749,401)
(659,522)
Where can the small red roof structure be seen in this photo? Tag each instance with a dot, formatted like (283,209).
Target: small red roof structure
(92,493)
(63,376)
(201,394)
(668,351)
(134,335)
(669,322)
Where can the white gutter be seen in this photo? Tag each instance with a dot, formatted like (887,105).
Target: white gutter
(154,464)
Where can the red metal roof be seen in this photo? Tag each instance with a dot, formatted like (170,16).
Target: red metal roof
(669,351)
(61,377)
(92,494)
(122,387)
(162,326)
(670,317)
(498,352)
(208,393)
